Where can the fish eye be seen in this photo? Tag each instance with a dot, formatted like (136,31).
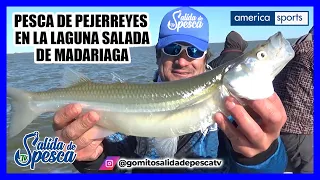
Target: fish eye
(261,55)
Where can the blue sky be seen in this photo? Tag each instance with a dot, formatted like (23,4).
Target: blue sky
(219,21)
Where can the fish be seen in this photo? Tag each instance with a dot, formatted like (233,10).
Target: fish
(163,109)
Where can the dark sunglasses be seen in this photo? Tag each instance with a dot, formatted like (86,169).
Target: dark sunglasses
(175,49)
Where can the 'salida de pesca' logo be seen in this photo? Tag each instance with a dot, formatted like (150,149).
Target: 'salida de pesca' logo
(184,21)
(50,150)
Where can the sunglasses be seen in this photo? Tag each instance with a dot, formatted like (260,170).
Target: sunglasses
(175,49)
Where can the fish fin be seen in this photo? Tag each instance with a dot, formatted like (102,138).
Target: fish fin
(116,78)
(97,132)
(22,112)
(72,78)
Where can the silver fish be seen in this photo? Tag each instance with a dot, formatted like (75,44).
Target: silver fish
(164,109)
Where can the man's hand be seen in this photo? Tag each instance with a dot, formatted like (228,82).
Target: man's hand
(250,138)
(69,125)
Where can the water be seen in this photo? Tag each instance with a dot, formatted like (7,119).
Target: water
(23,73)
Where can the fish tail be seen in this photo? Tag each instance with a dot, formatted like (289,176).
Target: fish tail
(22,112)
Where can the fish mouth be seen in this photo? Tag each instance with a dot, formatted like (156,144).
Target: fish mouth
(276,40)
(284,52)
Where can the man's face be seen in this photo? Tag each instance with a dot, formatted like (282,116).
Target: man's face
(178,67)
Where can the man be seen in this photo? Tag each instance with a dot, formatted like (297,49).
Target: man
(295,88)
(181,53)
(234,46)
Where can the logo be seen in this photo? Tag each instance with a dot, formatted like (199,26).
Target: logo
(50,150)
(109,163)
(288,18)
(184,21)
(269,18)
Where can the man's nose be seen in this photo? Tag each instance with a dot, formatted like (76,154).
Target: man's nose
(183,59)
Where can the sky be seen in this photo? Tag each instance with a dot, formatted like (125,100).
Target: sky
(218,17)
